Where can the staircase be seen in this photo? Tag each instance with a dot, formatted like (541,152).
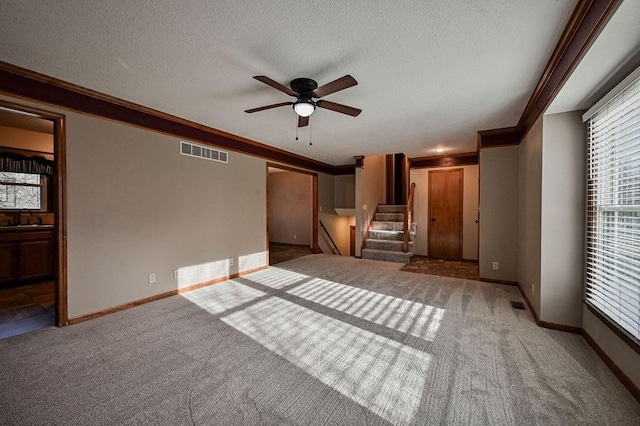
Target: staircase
(386,236)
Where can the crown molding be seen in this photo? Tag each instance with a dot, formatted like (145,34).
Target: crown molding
(587,20)
(466,159)
(347,169)
(499,137)
(26,84)
(359,161)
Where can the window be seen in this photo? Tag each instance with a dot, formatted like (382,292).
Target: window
(20,191)
(613,207)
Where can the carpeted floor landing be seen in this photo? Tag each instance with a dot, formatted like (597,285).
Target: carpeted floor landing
(319,340)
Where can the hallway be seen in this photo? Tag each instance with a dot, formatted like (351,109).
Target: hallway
(279,252)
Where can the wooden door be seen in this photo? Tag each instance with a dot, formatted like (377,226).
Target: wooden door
(352,241)
(445,214)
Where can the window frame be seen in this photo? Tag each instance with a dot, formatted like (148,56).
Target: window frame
(43,191)
(596,210)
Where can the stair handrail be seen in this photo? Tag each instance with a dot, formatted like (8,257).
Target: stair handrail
(408,219)
(335,246)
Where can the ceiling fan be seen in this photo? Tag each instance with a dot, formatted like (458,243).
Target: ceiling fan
(304,90)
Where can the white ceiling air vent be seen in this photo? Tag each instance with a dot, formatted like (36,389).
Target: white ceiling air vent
(200,151)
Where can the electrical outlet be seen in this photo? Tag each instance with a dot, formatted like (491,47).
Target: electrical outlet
(496,266)
(231,262)
(364,207)
(175,274)
(152,278)
(295,236)
(320,208)
(533,289)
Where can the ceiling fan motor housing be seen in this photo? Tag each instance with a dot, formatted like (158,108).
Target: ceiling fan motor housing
(304,106)
(304,87)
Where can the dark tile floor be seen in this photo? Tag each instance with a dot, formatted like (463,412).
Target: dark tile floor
(26,308)
(447,268)
(279,252)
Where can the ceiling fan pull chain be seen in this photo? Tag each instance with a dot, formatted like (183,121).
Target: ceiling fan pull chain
(310,132)
(296,129)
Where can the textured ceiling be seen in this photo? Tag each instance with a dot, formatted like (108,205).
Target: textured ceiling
(431,73)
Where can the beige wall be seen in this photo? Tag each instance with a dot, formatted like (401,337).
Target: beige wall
(530,212)
(499,213)
(551,215)
(563,218)
(562,238)
(325,192)
(627,359)
(469,210)
(370,191)
(24,139)
(290,208)
(135,206)
(345,191)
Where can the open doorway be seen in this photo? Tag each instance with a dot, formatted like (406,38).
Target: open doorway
(32,272)
(292,213)
(446,208)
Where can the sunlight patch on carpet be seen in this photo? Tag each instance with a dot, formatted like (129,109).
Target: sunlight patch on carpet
(385,376)
(415,318)
(221,297)
(277,278)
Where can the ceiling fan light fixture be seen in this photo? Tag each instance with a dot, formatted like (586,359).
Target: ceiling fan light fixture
(304,107)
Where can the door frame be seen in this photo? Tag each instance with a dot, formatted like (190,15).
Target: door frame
(59,204)
(314,203)
(460,213)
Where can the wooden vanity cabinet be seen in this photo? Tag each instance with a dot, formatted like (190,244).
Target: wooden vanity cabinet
(8,270)
(25,256)
(34,259)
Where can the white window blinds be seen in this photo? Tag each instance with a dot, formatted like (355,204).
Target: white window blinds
(613,207)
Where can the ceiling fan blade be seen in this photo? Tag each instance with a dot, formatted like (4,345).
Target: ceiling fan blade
(354,112)
(335,86)
(303,121)
(268,107)
(276,85)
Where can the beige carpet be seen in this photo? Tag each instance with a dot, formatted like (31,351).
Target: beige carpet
(323,340)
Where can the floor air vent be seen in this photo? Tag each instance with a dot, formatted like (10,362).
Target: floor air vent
(518,305)
(194,150)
